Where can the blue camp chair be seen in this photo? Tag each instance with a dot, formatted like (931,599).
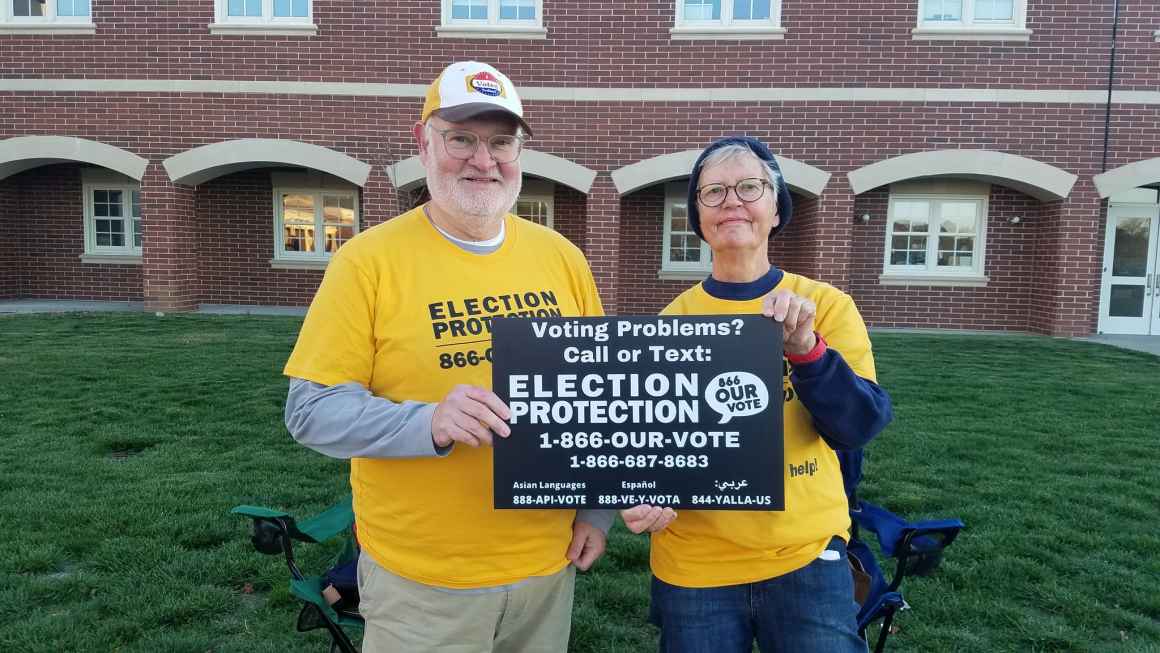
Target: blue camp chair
(915,546)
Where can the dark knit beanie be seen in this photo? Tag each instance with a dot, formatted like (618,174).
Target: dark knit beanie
(784,203)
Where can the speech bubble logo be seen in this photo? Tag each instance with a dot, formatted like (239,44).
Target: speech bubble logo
(736,394)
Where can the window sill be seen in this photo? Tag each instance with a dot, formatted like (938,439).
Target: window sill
(264,29)
(110,259)
(529,32)
(682,275)
(298,264)
(48,28)
(727,33)
(970,34)
(941,280)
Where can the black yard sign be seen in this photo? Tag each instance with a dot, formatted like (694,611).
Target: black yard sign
(618,411)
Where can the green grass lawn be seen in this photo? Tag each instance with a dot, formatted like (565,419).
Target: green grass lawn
(125,439)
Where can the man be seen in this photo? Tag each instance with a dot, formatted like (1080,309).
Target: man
(392,369)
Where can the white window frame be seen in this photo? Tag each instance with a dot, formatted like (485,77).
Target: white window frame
(94,251)
(316,257)
(727,27)
(546,199)
(968,29)
(266,24)
(930,273)
(493,26)
(53,23)
(677,193)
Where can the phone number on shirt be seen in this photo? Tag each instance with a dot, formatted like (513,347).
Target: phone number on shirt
(463,359)
(640,461)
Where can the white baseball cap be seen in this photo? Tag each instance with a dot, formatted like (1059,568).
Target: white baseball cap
(468,88)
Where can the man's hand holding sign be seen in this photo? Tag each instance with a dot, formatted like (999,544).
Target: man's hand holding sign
(471,415)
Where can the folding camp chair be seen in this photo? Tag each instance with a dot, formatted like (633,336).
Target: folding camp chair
(916,546)
(274,533)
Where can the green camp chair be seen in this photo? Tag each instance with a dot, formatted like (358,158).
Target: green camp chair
(274,533)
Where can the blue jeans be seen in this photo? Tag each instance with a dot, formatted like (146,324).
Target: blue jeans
(811,610)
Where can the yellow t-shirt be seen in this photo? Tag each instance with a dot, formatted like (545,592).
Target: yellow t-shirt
(711,548)
(406,313)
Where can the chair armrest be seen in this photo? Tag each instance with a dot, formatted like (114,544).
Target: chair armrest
(274,530)
(328,524)
(928,536)
(898,537)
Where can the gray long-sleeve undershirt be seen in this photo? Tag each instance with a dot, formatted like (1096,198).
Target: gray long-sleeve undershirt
(347,421)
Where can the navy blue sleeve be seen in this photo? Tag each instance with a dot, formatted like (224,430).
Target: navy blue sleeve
(847,410)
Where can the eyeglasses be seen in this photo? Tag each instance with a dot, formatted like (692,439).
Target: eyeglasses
(748,190)
(460,144)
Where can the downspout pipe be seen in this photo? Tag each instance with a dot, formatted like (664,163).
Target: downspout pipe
(1111,83)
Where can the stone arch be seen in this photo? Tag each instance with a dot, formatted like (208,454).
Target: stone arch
(800,177)
(1039,180)
(200,164)
(1127,177)
(25,152)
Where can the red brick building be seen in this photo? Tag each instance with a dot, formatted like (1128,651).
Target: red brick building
(947,157)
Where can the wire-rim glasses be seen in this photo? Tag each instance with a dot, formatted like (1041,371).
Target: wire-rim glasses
(462,144)
(748,190)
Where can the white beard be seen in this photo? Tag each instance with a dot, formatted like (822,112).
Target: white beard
(477,207)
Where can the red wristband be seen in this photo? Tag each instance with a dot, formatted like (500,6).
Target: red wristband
(811,355)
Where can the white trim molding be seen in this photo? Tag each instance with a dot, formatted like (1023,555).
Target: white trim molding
(109,259)
(727,34)
(288,29)
(1127,177)
(299,264)
(588,94)
(519,32)
(201,164)
(47,29)
(410,173)
(971,34)
(933,280)
(800,177)
(25,152)
(1039,180)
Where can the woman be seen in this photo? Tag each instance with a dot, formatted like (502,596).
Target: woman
(722,579)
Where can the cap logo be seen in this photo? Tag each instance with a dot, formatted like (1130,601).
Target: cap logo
(485,83)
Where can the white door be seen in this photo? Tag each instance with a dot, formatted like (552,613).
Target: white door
(1129,296)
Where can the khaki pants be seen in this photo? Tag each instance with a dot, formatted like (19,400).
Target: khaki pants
(403,616)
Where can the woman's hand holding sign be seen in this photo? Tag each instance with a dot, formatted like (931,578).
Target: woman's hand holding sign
(796,315)
(469,414)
